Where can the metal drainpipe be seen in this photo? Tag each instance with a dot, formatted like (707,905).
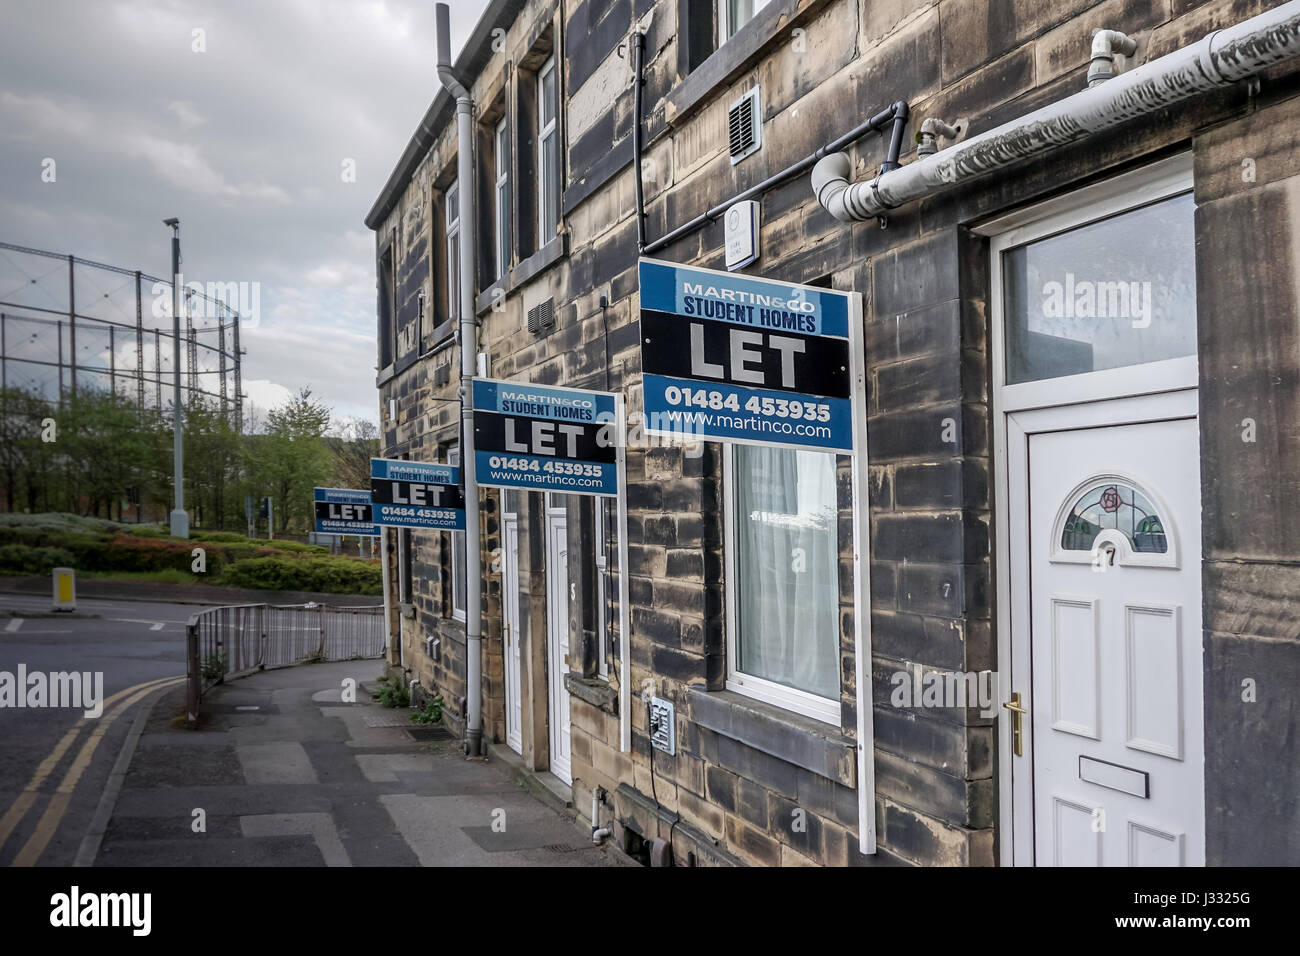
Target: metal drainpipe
(468,367)
(638,52)
(1220,59)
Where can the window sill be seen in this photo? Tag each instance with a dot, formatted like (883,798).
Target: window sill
(594,691)
(523,272)
(732,58)
(444,333)
(802,741)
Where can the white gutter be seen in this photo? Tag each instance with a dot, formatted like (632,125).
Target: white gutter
(1219,59)
(468,366)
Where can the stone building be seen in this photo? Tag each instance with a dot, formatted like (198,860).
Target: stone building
(1081,353)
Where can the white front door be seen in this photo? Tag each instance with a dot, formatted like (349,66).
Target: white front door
(1113,732)
(510,621)
(557,634)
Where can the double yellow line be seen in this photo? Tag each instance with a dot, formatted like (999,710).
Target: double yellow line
(49,822)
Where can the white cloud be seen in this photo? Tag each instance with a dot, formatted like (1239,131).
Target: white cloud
(242,142)
(186,113)
(266,394)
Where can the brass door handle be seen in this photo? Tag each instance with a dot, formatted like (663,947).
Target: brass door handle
(1017,713)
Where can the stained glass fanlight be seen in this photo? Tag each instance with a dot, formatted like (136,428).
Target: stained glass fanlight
(1114,505)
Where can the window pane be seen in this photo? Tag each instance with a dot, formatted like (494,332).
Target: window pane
(458,570)
(550,208)
(503,233)
(453,275)
(548,96)
(1114,293)
(787,568)
(740,12)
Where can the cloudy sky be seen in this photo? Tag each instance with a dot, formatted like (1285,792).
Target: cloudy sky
(245,142)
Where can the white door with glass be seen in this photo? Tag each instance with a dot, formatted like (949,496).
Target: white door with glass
(1097,465)
(1115,696)
(557,634)
(510,626)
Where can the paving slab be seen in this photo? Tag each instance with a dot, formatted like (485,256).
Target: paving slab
(283,772)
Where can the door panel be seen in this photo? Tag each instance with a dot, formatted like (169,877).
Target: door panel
(1115,624)
(557,639)
(510,617)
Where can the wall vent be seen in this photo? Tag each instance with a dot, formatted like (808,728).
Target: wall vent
(663,725)
(745,125)
(541,316)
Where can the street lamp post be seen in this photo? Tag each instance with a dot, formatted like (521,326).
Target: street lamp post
(180,520)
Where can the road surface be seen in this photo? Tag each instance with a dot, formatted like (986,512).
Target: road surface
(54,762)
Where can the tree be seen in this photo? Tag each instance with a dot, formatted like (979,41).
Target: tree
(26,462)
(356,442)
(292,458)
(212,443)
(104,448)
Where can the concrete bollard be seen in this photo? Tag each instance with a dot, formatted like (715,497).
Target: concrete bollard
(65,589)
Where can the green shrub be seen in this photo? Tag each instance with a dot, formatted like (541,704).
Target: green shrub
(219,537)
(328,575)
(432,712)
(32,544)
(298,547)
(214,667)
(26,559)
(394,695)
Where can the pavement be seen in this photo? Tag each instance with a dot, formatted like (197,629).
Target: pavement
(283,771)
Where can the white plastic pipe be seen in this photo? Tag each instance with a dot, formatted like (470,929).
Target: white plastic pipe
(598,832)
(1219,59)
(468,366)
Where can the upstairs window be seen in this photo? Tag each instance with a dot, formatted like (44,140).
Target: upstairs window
(385,282)
(501,197)
(548,153)
(734,14)
(453,249)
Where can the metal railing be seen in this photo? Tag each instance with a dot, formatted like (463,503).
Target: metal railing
(228,642)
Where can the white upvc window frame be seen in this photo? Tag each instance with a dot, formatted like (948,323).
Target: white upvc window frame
(1105,200)
(546,231)
(501,192)
(726,29)
(823,709)
(452,200)
(459,552)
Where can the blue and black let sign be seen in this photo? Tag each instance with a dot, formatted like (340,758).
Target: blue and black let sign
(344,511)
(544,438)
(415,494)
(740,359)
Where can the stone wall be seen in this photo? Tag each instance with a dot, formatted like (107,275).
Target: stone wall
(751,784)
